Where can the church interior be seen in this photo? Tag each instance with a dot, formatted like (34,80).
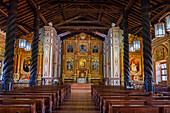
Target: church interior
(85,56)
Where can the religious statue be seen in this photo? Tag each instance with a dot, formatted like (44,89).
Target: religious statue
(95,66)
(69,65)
(26,64)
(69,48)
(95,49)
(133,67)
(82,62)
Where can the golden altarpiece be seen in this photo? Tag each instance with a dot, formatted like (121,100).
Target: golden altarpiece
(22,61)
(135,60)
(82,58)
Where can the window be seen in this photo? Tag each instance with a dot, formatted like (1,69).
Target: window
(163,71)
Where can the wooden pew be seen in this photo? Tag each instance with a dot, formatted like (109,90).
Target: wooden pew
(40,107)
(139,108)
(11,108)
(47,99)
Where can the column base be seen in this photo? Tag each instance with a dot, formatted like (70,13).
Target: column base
(6,85)
(33,83)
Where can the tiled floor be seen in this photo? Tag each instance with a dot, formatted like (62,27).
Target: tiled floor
(79,101)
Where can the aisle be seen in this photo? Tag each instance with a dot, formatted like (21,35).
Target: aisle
(79,101)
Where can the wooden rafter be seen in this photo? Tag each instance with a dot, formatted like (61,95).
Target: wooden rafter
(100,14)
(81,27)
(126,9)
(35,7)
(63,12)
(155,17)
(3,4)
(64,22)
(6,16)
(90,18)
(83,10)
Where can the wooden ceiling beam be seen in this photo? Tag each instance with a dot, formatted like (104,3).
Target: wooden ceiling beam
(125,11)
(96,2)
(85,22)
(160,5)
(36,8)
(63,12)
(6,16)
(82,27)
(83,10)
(100,14)
(3,4)
(154,18)
(64,22)
(90,18)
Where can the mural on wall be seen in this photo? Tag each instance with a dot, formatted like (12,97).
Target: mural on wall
(69,48)
(95,49)
(83,46)
(95,66)
(69,65)
(160,54)
(134,66)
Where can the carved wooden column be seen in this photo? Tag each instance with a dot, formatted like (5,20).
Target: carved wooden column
(8,68)
(34,55)
(147,48)
(126,51)
(168,66)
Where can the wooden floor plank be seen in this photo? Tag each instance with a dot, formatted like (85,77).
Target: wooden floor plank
(79,101)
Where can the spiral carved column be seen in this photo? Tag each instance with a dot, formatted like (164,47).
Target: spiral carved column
(34,55)
(8,68)
(126,51)
(147,48)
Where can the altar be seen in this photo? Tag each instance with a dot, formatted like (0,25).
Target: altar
(81,80)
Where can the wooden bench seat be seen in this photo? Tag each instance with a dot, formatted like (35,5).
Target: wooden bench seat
(40,107)
(139,108)
(11,108)
(47,99)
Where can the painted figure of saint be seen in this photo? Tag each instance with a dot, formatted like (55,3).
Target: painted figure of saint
(82,62)
(82,46)
(69,65)
(95,49)
(69,48)
(26,64)
(95,66)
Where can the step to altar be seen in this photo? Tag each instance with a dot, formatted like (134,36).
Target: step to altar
(76,86)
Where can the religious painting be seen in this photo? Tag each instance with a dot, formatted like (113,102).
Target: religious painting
(95,66)
(82,62)
(83,46)
(160,54)
(95,49)
(69,65)
(134,66)
(69,48)
(26,64)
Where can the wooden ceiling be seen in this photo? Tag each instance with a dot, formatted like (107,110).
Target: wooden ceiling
(82,15)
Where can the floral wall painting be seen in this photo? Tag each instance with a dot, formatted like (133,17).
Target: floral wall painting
(83,46)
(69,48)
(95,49)
(69,65)
(26,64)
(134,66)
(95,66)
